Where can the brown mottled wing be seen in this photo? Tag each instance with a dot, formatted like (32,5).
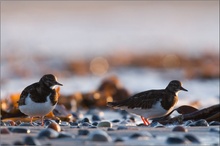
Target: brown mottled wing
(144,100)
(25,93)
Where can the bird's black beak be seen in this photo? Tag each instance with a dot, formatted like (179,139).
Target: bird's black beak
(183,89)
(57,83)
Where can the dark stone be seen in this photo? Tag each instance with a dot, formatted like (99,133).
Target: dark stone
(74,123)
(187,123)
(135,135)
(83,132)
(122,128)
(47,133)
(18,143)
(115,121)
(64,135)
(95,123)
(192,138)
(85,124)
(85,120)
(20,130)
(92,126)
(96,118)
(214,123)
(179,129)
(25,124)
(118,140)
(175,140)
(110,129)
(28,140)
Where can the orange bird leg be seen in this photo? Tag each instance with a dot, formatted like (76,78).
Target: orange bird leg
(145,121)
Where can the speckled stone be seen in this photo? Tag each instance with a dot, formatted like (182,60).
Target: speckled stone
(192,138)
(28,140)
(180,129)
(104,124)
(99,135)
(47,133)
(20,130)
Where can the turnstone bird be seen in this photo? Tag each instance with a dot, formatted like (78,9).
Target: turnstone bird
(151,104)
(39,98)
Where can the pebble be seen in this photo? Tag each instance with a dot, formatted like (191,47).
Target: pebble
(200,122)
(99,135)
(95,123)
(20,130)
(122,128)
(25,124)
(118,140)
(18,143)
(214,123)
(74,123)
(64,135)
(28,140)
(139,136)
(187,123)
(92,126)
(54,126)
(115,121)
(96,118)
(85,124)
(175,140)
(47,133)
(85,120)
(83,132)
(192,138)
(180,129)
(104,124)
(5,131)
(64,123)
(110,129)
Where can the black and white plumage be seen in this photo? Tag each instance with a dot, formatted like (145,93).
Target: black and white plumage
(152,103)
(39,98)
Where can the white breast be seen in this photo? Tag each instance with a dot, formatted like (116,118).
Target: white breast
(36,109)
(156,111)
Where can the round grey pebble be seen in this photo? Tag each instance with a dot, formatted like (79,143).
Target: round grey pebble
(47,133)
(83,132)
(122,128)
(175,140)
(104,124)
(28,140)
(192,138)
(99,135)
(20,130)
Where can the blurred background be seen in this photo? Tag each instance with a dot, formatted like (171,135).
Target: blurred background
(134,45)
